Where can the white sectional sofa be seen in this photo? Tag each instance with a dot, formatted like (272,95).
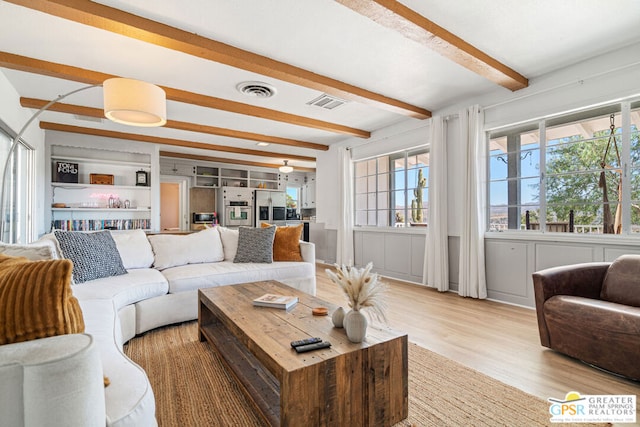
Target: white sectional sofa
(160,287)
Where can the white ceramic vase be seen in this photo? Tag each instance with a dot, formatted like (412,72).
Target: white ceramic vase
(338,317)
(355,324)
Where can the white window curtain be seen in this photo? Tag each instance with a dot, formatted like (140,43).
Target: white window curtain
(345,230)
(436,257)
(472,280)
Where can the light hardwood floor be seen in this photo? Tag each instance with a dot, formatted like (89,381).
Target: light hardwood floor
(497,339)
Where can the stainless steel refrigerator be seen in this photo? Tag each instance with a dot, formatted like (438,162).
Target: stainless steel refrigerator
(271,207)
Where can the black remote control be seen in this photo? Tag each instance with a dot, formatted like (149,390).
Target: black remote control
(315,346)
(305,342)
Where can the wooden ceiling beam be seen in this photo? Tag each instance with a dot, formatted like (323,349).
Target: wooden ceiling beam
(398,17)
(229,161)
(169,141)
(130,25)
(67,72)
(173,124)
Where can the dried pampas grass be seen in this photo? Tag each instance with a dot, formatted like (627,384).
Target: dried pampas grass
(362,288)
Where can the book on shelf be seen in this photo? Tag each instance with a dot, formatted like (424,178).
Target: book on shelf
(284,302)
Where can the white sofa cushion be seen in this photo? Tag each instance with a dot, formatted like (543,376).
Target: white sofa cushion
(34,252)
(195,276)
(136,285)
(171,250)
(229,242)
(134,247)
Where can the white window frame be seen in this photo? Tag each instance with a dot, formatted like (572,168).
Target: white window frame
(624,108)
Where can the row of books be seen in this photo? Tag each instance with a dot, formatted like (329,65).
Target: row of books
(100,224)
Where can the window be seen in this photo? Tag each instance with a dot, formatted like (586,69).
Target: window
(567,174)
(293,196)
(19,191)
(392,190)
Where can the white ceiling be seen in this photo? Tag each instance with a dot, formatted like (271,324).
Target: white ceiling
(533,37)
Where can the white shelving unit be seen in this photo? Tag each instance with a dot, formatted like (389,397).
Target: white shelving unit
(85,206)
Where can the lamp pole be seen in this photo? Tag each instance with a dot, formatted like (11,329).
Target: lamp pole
(14,144)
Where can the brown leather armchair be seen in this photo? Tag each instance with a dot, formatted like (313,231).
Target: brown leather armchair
(592,312)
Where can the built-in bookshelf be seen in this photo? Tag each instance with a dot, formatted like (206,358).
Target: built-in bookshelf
(99,189)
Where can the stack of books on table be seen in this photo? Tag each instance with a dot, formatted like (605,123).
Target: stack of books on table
(284,302)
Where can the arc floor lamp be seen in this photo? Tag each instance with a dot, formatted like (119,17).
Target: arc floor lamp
(126,101)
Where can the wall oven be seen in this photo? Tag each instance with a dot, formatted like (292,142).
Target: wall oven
(238,214)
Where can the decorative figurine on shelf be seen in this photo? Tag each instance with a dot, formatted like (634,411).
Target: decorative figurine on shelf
(363,290)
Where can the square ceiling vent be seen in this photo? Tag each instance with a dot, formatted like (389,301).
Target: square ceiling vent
(327,102)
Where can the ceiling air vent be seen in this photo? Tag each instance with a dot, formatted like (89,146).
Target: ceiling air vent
(327,102)
(256,89)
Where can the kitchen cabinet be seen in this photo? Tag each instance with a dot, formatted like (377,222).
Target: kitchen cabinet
(168,167)
(206,176)
(309,195)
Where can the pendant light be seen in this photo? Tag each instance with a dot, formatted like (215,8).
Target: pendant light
(285,168)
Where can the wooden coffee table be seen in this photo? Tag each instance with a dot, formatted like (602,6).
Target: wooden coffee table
(346,384)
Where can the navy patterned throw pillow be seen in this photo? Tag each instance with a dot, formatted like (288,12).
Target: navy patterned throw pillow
(255,245)
(94,255)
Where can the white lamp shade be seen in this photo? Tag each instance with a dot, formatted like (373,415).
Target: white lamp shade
(134,102)
(285,168)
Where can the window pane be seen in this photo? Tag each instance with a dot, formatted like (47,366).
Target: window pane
(361,169)
(381,193)
(383,182)
(398,218)
(371,200)
(383,218)
(498,193)
(383,200)
(498,167)
(514,171)
(371,183)
(371,167)
(361,185)
(371,217)
(383,164)
(399,199)
(398,180)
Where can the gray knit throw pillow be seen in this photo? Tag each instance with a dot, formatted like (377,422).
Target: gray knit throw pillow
(255,245)
(94,255)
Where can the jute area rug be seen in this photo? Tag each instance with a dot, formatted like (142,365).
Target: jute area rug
(192,387)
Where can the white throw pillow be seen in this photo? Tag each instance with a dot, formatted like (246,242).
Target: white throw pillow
(172,249)
(229,242)
(134,247)
(35,252)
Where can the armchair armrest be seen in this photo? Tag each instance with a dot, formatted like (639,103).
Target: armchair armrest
(583,280)
(308,251)
(55,381)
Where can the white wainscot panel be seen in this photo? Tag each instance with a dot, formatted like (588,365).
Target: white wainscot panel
(397,253)
(506,264)
(373,250)
(610,254)
(553,255)
(417,255)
